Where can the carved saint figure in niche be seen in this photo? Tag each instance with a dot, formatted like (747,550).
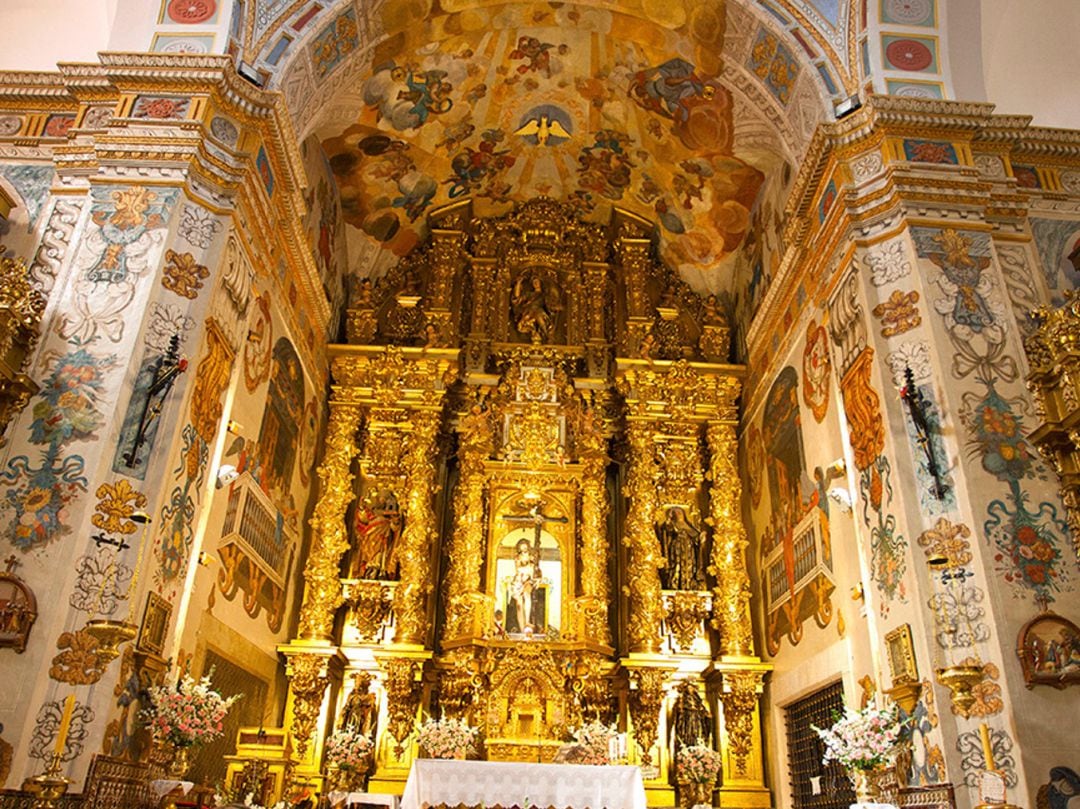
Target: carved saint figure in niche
(360,712)
(684,548)
(377,528)
(536,304)
(691,721)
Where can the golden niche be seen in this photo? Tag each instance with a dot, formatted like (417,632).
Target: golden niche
(530,413)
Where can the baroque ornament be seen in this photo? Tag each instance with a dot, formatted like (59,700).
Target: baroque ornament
(307,675)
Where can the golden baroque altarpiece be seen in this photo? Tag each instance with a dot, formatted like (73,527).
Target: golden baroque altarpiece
(529,510)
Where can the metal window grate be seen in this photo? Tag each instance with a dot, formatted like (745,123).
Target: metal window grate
(805,749)
(228,678)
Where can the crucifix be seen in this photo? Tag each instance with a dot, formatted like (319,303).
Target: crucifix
(527,575)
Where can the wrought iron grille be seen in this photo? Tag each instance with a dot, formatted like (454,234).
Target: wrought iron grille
(228,678)
(813,784)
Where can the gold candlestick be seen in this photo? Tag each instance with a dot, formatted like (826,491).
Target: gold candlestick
(48,787)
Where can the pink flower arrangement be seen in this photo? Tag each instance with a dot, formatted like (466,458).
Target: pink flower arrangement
(696,764)
(862,740)
(348,750)
(593,743)
(187,714)
(446,738)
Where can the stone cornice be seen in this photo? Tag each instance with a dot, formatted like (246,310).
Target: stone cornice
(172,144)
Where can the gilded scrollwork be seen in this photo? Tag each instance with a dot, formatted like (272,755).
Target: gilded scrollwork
(646,701)
(369,603)
(308,678)
(402,699)
(740,701)
(685,612)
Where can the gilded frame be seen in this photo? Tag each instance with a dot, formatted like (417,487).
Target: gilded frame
(902,665)
(154,624)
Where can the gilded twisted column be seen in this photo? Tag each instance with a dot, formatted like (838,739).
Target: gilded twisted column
(322,595)
(410,596)
(466,543)
(594,515)
(731,607)
(642,578)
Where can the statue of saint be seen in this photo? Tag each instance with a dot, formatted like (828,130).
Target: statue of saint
(691,720)
(684,548)
(526,607)
(535,304)
(377,527)
(360,713)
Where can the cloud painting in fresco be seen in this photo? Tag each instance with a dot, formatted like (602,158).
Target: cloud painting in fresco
(505,104)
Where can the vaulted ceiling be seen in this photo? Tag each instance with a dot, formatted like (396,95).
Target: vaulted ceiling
(678,110)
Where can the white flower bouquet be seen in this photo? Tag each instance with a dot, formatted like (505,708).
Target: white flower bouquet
(348,750)
(446,738)
(594,743)
(697,764)
(187,714)
(862,740)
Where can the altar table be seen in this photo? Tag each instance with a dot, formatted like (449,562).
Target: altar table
(441,783)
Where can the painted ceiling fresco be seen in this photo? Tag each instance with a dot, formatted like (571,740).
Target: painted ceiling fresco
(594,106)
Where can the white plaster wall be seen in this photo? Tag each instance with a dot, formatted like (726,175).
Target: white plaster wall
(36,34)
(1028,60)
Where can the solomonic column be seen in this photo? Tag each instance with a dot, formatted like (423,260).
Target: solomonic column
(740,671)
(475,443)
(411,595)
(645,557)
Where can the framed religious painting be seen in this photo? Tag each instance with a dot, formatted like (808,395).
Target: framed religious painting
(901,655)
(1049,650)
(155,622)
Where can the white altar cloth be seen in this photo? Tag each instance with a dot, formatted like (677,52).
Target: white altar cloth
(436,782)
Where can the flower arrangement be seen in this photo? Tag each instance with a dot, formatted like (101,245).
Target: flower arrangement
(862,740)
(249,802)
(187,714)
(594,742)
(696,764)
(446,738)
(348,750)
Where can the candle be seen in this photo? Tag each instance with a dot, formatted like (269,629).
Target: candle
(988,750)
(65,724)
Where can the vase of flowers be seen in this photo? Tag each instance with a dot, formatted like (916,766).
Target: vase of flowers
(348,755)
(865,743)
(696,768)
(446,738)
(184,716)
(593,743)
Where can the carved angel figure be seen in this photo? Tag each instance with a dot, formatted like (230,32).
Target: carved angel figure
(536,304)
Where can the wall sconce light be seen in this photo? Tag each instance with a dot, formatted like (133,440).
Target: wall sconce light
(917,408)
(960,678)
(226,474)
(234,427)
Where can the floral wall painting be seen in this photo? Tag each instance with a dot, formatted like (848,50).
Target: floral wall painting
(512,106)
(795,546)
(1026,534)
(38,488)
(1049,651)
